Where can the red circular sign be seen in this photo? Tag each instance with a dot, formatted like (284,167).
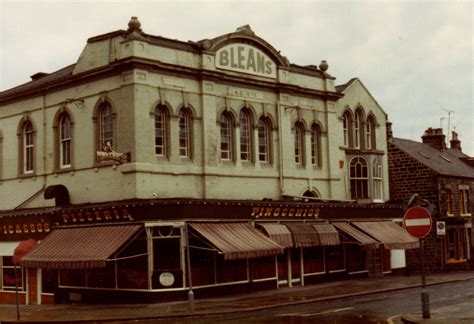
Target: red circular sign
(417,221)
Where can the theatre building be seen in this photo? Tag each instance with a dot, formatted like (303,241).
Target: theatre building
(151,166)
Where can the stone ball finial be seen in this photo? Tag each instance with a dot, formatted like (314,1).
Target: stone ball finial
(323,66)
(134,25)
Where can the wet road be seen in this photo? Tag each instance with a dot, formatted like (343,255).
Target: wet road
(376,308)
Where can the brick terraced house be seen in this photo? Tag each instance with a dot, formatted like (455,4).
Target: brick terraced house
(443,178)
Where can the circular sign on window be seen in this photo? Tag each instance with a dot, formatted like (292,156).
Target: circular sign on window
(166,279)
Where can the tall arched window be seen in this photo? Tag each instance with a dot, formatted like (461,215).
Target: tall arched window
(315,145)
(161,130)
(358,130)
(377,179)
(28,148)
(245,136)
(370,133)
(359,178)
(347,129)
(299,143)
(226,137)
(264,142)
(65,140)
(184,133)
(106,127)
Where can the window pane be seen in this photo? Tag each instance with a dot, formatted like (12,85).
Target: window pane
(160,131)
(28,149)
(298,144)
(106,128)
(226,138)
(65,141)
(244,136)
(184,134)
(263,141)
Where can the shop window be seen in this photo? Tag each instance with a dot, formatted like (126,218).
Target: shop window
(347,129)
(167,258)
(203,264)
(185,133)
(464,201)
(455,244)
(313,260)
(370,133)
(359,178)
(132,265)
(27,157)
(335,258)
(72,278)
(261,268)
(356,258)
(299,143)
(106,128)
(264,140)
(226,137)
(231,270)
(9,281)
(449,202)
(358,129)
(101,277)
(377,179)
(49,280)
(161,130)
(245,136)
(316,146)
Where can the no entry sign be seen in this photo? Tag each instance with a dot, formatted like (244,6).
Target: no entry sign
(417,221)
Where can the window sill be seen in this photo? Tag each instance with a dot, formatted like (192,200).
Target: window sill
(64,170)
(104,164)
(454,261)
(466,215)
(27,175)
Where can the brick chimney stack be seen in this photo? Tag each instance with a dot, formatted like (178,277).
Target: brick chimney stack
(435,138)
(389,132)
(455,142)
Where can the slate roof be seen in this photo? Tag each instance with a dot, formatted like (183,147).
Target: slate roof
(445,162)
(342,87)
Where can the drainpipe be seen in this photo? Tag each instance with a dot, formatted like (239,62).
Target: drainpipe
(280,143)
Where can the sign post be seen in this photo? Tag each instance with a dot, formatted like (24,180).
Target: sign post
(417,222)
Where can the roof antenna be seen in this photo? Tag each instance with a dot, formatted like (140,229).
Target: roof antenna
(449,120)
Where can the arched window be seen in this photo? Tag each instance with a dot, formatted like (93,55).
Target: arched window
(377,178)
(264,142)
(370,133)
(28,148)
(106,128)
(245,136)
(161,130)
(184,133)
(359,178)
(310,194)
(65,140)
(226,137)
(358,130)
(347,129)
(316,145)
(299,143)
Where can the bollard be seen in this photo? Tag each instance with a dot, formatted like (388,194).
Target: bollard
(425,304)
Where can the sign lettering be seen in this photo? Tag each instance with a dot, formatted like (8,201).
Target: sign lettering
(247,59)
(93,216)
(297,212)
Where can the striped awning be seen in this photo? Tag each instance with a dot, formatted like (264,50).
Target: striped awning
(278,233)
(390,234)
(355,234)
(304,235)
(237,240)
(79,247)
(328,234)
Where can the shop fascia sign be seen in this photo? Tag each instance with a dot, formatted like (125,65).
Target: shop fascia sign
(245,58)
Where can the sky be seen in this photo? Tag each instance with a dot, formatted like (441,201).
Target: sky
(415,57)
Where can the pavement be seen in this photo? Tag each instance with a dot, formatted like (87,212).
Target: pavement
(180,310)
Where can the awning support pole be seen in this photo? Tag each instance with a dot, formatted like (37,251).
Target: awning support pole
(16,295)
(425,298)
(188,263)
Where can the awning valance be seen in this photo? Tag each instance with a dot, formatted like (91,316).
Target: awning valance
(304,235)
(237,240)
(80,247)
(390,234)
(328,234)
(355,234)
(278,233)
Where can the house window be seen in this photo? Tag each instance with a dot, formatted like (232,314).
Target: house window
(455,244)
(449,202)
(106,127)
(65,139)
(315,145)
(377,180)
(358,130)
(184,133)
(226,137)
(245,136)
(28,148)
(370,133)
(464,201)
(359,178)
(161,130)
(9,282)
(264,147)
(347,129)
(299,143)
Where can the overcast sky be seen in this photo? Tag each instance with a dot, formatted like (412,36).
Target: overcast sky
(416,58)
